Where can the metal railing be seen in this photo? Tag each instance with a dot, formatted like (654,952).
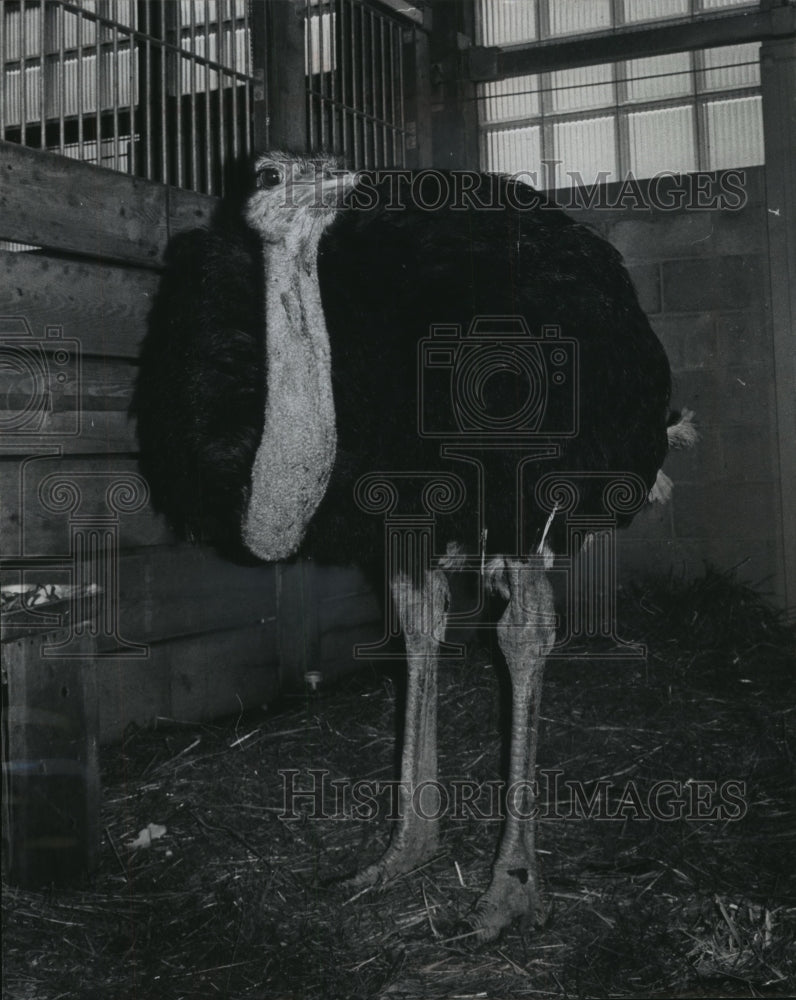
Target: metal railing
(161,90)
(355,82)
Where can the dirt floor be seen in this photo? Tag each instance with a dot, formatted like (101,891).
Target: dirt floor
(234,901)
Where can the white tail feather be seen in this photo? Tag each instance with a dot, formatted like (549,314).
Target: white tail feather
(683,434)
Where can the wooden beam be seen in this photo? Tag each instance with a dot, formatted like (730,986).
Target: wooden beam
(496,63)
(279,24)
(778,82)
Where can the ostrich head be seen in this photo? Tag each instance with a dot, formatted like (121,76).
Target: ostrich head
(296,197)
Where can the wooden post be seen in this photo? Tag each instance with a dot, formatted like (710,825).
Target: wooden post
(778,81)
(280,91)
(51,788)
(455,120)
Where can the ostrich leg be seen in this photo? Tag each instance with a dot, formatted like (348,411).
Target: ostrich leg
(526,633)
(422,612)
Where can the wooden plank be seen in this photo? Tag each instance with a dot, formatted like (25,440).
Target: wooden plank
(27,526)
(101,384)
(59,203)
(167,592)
(50,766)
(189,680)
(101,432)
(103,307)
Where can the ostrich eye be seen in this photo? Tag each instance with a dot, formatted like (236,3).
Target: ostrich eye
(269,177)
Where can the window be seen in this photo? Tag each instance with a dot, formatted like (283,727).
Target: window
(681,112)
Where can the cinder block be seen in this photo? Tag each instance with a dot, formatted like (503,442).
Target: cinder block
(727,396)
(748,453)
(726,509)
(745,338)
(699,285)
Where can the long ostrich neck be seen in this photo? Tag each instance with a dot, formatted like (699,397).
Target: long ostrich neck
(296,453)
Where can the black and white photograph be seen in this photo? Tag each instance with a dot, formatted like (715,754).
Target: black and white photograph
(398,499)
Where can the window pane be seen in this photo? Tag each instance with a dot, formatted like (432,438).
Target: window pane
(587,148)
(501,23)
(582,88)
(569,17)
(504,100)
(514,150)
(731,66)
(713,4)
(655,10)
(659,77)
(662,140)
(735,133)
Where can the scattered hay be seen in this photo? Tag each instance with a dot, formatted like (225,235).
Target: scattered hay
(234,901)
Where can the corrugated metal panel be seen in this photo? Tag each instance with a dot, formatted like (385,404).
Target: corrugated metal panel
(587,148)
(583,88)
(716,4)
(514,150)
(734,132)
(730,67)
(659,77)
(506,22)
(578,17)
(654,10)
(662,139)
(515,97)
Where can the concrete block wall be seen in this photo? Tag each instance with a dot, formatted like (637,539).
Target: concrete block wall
(702,277)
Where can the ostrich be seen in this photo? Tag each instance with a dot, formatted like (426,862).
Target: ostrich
(281,367)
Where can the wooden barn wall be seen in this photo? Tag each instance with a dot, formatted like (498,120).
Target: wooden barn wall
(703,278)
(218,636)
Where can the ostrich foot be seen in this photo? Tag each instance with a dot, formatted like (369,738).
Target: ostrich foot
(514,892)
(408,849)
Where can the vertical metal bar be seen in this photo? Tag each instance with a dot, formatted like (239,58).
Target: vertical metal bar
(98,83)
(222,77)
(354,96)
(23,76)
(308,54)
(383,66)
(343,59)
(146,92)
(208,150)
(322,106)
(373,95)
(42,75)
(131,79)
(334,17)
(79,24)
(247,123)
(234,65)
(194,137)
(176,76)
(3,15)
(60,27)
(164,97)
(364,103)
(393,31)
(115,83)
(401,94)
